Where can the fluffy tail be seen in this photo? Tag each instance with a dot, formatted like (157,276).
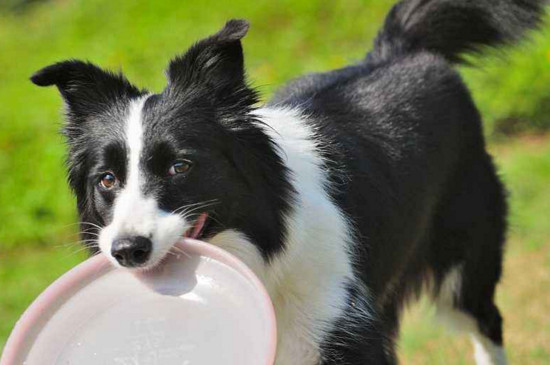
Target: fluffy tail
(453,28)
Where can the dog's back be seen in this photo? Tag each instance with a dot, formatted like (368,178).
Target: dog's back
(407,164)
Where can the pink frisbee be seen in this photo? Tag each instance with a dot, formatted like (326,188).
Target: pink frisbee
(201,306)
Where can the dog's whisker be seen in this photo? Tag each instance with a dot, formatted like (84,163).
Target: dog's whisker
(187,206)
(192,212)
(79,250)
(91,233)
(195,206)
(91,224)
(199,203)
(70,225)
(74,243)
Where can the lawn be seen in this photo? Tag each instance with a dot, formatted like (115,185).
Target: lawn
(523,295)
(38,237)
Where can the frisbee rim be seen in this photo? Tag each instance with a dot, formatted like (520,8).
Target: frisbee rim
(69,282)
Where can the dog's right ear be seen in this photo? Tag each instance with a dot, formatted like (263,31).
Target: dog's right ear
(215,62)
(86,88)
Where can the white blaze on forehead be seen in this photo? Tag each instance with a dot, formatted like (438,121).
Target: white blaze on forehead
(134,140)
(134,213)
(132,209)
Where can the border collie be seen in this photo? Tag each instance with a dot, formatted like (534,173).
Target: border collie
(349,193)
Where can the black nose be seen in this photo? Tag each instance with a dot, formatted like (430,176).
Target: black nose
(131,251)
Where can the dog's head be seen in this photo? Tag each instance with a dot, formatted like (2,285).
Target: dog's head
(193,160)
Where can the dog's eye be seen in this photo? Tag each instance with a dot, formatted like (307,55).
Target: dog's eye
(108,180)
(180,167)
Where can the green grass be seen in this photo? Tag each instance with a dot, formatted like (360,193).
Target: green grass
(523,294)
(512,92)
(287,38)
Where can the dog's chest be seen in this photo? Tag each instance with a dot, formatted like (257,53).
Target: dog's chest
(307,279)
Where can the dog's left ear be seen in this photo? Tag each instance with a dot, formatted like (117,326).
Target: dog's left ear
(215,62)
(86,88)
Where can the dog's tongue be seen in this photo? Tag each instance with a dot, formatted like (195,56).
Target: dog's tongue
(195,231)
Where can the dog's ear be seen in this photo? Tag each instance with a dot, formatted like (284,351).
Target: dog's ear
(86,88)
(215,63)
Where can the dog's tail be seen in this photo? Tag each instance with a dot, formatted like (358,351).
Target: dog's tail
(452,28)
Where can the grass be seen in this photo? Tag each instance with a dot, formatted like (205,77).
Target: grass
(522,295)
(141,38)
(287,38)
(512,92)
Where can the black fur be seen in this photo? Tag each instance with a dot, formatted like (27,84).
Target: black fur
(452,28)
(204,115)
(407,157)
(207,107)
(420,187)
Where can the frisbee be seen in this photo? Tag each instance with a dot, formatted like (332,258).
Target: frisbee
(200,306)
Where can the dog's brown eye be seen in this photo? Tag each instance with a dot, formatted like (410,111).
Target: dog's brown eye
(108,180)
(179,167)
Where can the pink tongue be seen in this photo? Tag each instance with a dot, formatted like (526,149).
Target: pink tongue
(197,228)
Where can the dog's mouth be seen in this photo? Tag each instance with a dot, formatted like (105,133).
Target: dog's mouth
(197,229)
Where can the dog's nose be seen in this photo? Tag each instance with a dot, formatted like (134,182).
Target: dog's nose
(131,251)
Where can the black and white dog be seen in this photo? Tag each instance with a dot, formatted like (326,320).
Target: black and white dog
(348,193)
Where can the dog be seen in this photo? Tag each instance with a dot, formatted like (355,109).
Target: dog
(349,193)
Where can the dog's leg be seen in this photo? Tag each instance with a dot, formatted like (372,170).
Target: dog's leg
(486,352)
(466,257)
(476,314)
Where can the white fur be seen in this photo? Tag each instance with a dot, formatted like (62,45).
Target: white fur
(134,213)
(307,280)
(445,302)
(240,246)
(485,351)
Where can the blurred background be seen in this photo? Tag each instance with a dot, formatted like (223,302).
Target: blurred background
(38,234)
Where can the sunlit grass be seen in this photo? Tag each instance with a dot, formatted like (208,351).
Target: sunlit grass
(523,294)
(287,38)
